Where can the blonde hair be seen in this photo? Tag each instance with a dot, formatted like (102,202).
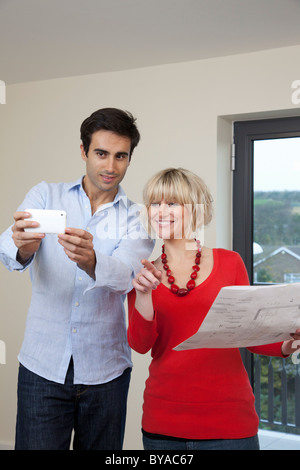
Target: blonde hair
(184,187)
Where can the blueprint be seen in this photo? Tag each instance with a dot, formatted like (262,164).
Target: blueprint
(244,316)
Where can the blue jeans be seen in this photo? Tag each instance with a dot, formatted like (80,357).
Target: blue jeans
(48,412)
(249,443)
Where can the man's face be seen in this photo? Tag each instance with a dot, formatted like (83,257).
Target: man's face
(106,162)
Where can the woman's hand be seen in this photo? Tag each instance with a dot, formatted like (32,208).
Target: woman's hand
(290,346)
(147,279)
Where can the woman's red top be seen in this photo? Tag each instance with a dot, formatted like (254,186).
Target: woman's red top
(199,393)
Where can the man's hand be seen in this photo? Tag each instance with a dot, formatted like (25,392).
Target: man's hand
(78,246)
(27,242)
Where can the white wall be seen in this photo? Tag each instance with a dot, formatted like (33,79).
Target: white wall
(185,113)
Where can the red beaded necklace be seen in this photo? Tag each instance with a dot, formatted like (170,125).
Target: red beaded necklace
(171,279)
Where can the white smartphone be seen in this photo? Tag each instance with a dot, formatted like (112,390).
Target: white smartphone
(51,221)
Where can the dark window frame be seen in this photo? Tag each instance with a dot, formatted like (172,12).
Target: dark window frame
(245,133)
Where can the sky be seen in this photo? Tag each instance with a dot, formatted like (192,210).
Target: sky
(277,164)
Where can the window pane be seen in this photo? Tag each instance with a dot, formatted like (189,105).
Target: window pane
(276,236)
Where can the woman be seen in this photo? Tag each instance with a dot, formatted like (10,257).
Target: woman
(201,398)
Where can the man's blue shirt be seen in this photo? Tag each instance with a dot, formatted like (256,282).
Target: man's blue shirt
(70,313)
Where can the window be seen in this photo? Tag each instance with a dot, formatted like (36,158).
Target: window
(266,199)
(266,233)
(276,211)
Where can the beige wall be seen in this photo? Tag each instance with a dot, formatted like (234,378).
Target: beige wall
(185,113)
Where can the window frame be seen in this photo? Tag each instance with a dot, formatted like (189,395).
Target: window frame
(244,135)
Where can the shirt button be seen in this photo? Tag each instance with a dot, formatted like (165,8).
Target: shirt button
(76,304)
(80,278)
(74,330)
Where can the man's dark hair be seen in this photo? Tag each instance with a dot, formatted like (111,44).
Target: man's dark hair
(110,119)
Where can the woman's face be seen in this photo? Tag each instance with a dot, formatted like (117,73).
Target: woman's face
(169,219)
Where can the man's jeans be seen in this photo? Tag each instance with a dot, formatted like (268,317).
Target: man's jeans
(48,413)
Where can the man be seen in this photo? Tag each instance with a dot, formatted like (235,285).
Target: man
(75,361)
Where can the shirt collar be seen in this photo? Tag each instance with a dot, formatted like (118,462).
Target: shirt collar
(120,196)
(74,184)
